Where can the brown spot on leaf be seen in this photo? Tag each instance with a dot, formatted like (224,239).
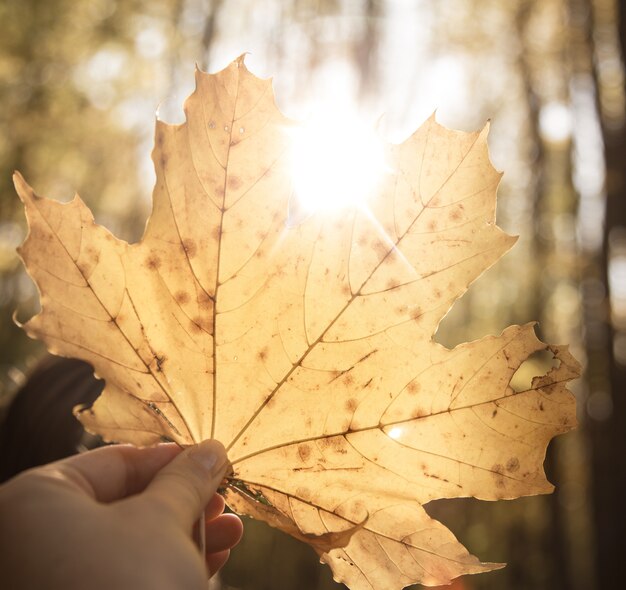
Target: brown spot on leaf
(190,247)
(205,303)
(83,267)
(153,262)
(160,361)
(182,297)
(550,389)
(304,451)
(380,249)
(512,464)
(93,254)
(262,354)
(234,182)
(498,471)
(413,387)
(494,413)
(323,443)
(351,404)
(336,443)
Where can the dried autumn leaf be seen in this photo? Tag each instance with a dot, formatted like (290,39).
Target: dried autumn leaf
(308,350)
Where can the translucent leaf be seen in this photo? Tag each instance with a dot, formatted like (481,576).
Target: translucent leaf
(306,348)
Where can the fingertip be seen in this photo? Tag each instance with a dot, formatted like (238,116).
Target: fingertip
(236,526)
(223,532)
(210,454)
(214,508)
(188,483)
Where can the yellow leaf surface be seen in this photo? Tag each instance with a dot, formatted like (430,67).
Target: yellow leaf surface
(307,349)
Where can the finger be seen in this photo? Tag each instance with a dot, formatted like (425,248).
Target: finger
(223,532)
(114,472)
(216,561)
(184,487)
(214,508)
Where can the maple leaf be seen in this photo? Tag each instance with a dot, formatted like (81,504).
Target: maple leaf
(308,351)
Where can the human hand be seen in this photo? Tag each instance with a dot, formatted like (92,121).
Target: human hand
(118,518)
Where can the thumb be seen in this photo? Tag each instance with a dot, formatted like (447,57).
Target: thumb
(183,488)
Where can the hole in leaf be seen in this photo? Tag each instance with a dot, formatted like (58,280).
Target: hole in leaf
(537,364)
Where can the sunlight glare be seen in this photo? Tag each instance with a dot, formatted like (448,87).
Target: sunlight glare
(337,161)
(395,432)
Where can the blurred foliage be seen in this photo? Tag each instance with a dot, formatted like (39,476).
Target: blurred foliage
(80,83)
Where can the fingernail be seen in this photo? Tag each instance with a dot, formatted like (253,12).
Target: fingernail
(210,454)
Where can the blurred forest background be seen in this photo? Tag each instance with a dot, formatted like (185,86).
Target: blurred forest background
(79,86)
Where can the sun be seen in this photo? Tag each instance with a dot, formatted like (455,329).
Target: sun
(337,161)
